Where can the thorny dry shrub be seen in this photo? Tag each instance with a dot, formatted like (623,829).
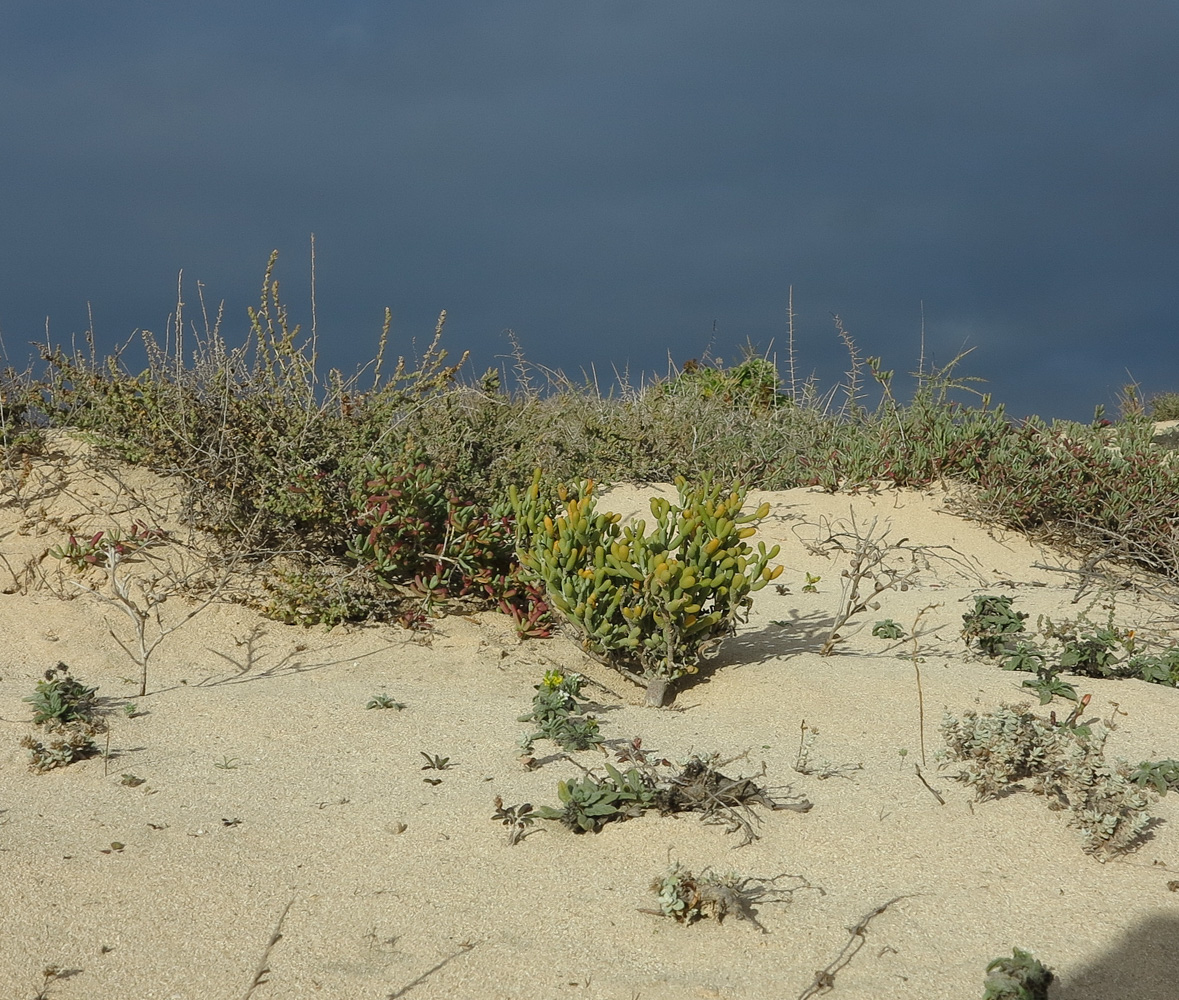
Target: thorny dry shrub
(1107,492)
(20,432)
(273,453)
(1065,764)
(268,450)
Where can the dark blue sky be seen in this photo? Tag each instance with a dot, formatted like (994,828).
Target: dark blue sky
(612,180)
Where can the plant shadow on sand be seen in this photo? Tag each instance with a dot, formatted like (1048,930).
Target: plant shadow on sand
(1143,964)
(760,645)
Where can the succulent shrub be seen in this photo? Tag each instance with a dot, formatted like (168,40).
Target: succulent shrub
(651,605)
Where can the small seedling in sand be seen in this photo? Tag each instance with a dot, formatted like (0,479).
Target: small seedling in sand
(50,975)
(131,780)
(558,714)
(516,818)
(435,763)
(64,708)
(131,710)
(804,765)
(1020,977)
(227,763)
(810,586)
(384,701)
(888,629)
(61,698)
(633,753)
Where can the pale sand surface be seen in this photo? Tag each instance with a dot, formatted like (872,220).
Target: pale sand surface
(400,888)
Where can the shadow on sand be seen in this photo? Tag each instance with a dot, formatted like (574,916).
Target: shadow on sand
(1143,964)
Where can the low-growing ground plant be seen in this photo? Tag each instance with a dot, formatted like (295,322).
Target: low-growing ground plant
(888,629)
(65,711)
(1021,977)
(1161,775)
(383,701)
(587,804)
(993,624)
(686,896)
(559,716)
(1065,763)
(1078,647)
(650,605)
(99,548)
(61,698)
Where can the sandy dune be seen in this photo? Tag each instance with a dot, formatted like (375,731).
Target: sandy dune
(271,792)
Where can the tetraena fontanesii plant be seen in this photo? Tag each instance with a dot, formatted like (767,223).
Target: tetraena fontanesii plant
(652,605)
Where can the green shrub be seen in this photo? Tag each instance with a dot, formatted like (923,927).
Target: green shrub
(754,382)
(420,538)
(1165,406)
(20,400)
(1097,490)
(652,605)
